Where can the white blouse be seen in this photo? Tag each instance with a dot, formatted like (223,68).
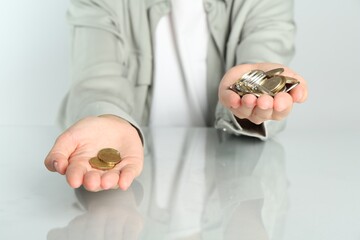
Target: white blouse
(180,44)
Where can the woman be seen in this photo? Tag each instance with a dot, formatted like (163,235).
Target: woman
(167,63)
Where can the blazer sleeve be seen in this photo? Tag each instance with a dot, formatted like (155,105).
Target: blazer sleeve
(98,61)
(267,35)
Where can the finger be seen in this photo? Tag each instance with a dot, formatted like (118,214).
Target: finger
(282,102)
(57,162)
(263,110)
(282,106)
(127,175)
(299,93)
(109,180)
(248,102)
(57,159)
(229,99)
(75,174)
(92,181)
(265,102)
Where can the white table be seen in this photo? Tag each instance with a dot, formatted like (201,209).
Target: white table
(197,184)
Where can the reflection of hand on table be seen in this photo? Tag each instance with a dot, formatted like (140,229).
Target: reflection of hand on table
(252,187)
(72,150)
(265,107)
(110,215)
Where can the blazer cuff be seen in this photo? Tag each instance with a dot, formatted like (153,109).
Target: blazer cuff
(229,123)
(101,108)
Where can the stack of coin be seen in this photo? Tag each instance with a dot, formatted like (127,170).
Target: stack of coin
(258,82)
(106,159)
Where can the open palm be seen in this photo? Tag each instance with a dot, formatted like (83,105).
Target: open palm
(265,107)
(72,150)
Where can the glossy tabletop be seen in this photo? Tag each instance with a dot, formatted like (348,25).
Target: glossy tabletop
(197,183)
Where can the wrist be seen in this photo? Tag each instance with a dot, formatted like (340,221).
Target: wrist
(124,122)
(114,117)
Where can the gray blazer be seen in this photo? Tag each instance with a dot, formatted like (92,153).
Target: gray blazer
(112,55)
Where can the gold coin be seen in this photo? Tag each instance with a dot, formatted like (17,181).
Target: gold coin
(273,72)
(101,165)
(109,155)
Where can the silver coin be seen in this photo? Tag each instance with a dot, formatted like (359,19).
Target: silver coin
(291,83)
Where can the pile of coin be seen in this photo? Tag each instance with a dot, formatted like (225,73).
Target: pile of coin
(106,159)
(258,82)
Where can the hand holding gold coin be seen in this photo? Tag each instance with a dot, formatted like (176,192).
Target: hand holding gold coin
(74,148)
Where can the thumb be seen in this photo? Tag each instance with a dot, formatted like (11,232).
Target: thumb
(229,99)
(58,158)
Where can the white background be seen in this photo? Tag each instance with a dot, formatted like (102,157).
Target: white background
(34,62)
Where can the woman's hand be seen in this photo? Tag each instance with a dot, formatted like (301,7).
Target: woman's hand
(265,107)
(72,150)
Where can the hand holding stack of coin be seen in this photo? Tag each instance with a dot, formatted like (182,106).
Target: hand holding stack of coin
(258,82)
(106,159)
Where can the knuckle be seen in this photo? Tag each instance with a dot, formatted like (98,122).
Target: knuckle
(259,116)
(255,120)
(241,114)
(65,136)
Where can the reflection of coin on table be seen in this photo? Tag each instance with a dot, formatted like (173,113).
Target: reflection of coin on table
(106,159)
(258,82)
